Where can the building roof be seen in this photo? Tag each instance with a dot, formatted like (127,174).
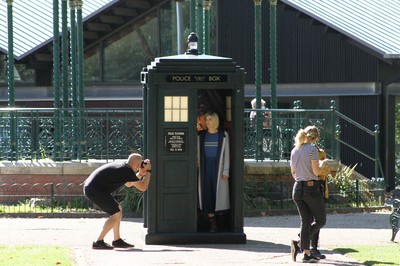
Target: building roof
(33,23)
(373,24)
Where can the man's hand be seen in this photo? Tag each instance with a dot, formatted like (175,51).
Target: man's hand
(146,166)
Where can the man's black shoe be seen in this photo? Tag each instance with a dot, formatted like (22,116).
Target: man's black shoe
(317,254)
(121,244)
(101,245)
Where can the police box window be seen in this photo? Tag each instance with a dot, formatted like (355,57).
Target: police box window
(176,109)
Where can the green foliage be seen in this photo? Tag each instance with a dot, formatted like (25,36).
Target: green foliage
(344,182)
(255,194)
(261,195)
(352,192)
(45,205)
(133,201)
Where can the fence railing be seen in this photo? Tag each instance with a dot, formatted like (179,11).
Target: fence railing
(261,195)
(108,134)
(67,199)
(41,133)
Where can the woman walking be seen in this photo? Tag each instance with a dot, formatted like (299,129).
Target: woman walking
(305,167)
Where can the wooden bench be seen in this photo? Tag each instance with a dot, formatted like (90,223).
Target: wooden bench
(394,218)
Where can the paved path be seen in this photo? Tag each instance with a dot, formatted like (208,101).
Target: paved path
(268,240)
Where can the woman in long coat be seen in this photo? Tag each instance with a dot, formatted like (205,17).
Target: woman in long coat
(213,154)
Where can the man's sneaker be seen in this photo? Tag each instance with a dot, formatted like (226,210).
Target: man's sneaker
(101,245)
(317,254)
(121,244)
(310,258)
(294,249)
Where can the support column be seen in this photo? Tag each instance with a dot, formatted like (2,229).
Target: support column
(258,77)
(74,83)
(10,61)
(275,145)
(64,76)
(56,80)
(207,7)
(10,80)
(81,85)
(64,56)
(192,15)
(200,20)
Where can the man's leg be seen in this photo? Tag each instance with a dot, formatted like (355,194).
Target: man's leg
(111,222)
(116,227)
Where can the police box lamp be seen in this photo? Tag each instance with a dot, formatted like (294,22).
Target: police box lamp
(192,44)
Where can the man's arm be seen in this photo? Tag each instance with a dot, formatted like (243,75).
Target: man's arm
(144,176)
(142,184)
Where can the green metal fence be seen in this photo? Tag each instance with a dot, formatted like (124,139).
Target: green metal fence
(261,195)
(108,134)
(84,134)
(67,199)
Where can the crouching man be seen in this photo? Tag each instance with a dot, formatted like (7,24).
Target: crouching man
(105,180)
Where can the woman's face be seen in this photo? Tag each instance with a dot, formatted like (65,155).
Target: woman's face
(209,122)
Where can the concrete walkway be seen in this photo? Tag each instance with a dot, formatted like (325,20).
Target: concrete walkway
(268,240)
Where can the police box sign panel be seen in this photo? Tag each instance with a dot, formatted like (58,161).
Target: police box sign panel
(197,78)
(175,141)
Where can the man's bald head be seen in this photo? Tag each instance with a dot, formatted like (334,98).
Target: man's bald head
(134,160)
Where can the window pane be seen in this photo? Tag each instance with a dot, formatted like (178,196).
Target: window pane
(184,116)
(184,102)
(167,116)
(167,102)
(125,57)
(176,103)
(92,66)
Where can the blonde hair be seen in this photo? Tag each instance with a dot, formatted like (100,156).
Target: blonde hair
(214,117)
(254,103)
(306,135)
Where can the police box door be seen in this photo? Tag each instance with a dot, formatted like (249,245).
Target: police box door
(176,159)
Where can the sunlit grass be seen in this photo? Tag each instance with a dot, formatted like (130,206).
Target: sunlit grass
(35,256)
(373,255)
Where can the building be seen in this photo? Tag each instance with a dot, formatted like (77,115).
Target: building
(347,51)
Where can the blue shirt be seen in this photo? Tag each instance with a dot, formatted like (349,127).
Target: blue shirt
(211,145)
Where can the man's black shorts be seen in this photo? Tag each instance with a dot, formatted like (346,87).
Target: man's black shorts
(104,200)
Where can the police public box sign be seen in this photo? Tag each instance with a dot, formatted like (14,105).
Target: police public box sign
(175,141)
(197,78)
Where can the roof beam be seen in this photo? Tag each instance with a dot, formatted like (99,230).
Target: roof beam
(137,4)
(93,26)
(91,35)
(44,57)
(111,19)
(126,12)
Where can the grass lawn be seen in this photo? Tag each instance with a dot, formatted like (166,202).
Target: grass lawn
(373,255)
(35,256)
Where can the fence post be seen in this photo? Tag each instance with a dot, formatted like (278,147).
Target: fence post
(281,191)
(376,134)
(337,137)
(357,193)
(52,197)
(333,141)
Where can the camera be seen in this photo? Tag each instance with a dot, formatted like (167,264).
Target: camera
(144,162)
